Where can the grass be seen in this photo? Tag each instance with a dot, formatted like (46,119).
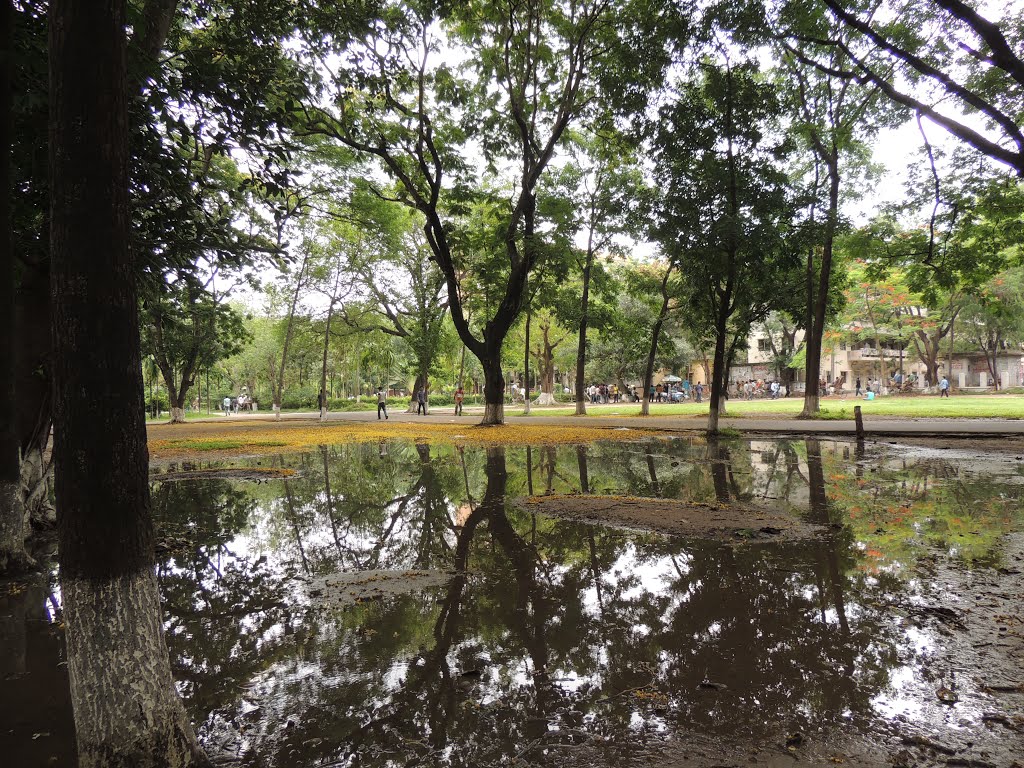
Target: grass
(221,444)
(924,406)
(253,437)
(189,416)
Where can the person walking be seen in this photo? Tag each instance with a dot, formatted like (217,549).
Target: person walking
(944,387)
(698,390)
(382,403)
(421,401)
(859,388)
(226,405)
(459,397)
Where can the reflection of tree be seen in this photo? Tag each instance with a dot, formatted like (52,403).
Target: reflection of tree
(905,506)
(220,608)
(543,621)
(33,686)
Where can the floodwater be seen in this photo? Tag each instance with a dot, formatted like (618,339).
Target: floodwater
(465,631)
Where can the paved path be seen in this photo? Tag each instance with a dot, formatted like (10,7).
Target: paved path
(873,426)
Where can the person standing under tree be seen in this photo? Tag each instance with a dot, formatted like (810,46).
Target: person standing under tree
(421,401)
(382,403)
(944,387)
(459,397)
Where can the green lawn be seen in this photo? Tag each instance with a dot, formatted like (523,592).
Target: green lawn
(924,406)
(189,416)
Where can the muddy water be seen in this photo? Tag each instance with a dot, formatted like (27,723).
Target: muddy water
(463,631)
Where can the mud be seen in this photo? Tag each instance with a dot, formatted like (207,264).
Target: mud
(347,588)
(717,522)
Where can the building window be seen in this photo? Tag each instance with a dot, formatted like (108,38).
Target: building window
(764,345)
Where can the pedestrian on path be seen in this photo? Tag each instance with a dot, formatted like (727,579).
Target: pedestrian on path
(382,403)
(944,387)
(421,401)
(226,405)
(459,397)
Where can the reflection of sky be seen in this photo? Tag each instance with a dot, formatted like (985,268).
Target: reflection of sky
(648,570)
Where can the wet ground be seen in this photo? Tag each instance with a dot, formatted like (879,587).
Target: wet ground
(392,604)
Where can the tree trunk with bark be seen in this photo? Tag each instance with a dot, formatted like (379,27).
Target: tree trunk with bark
(494,386)
(545,356)
(581,349)
(929,347)
(816,328)
(127,711)
(719,369)
(323,364)
(526,367)
(14,528)
(422,382)
(279,383)
(645,407)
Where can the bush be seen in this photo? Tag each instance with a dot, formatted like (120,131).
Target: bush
(449,399)
(160,401)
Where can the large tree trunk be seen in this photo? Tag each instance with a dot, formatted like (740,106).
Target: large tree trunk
(37,483)
(127,711)
(278,385)
(526,366)
(645,407)
(546,367)
(14,527)
(422,382)
(581,349)
(323,365)
(419,382)
(175,400)
(816,331)
(718,369)
(494,386)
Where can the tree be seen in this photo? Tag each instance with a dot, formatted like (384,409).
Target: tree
(178,54)
(188,328)
(994,318)
(938,55)
(535,67)
(117,658)
(658,277)
(602,191)
(726,208)
(13,517)
(391,264)
(621,348)
(835,115)
(329,279)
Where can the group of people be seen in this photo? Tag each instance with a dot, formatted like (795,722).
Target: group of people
(676,392)
(420,398)
(752,388)
(604,393)
(232,405)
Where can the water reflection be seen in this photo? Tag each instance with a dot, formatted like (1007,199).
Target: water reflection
(547,633)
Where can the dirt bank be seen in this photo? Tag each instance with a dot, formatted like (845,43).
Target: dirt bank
(723,522)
